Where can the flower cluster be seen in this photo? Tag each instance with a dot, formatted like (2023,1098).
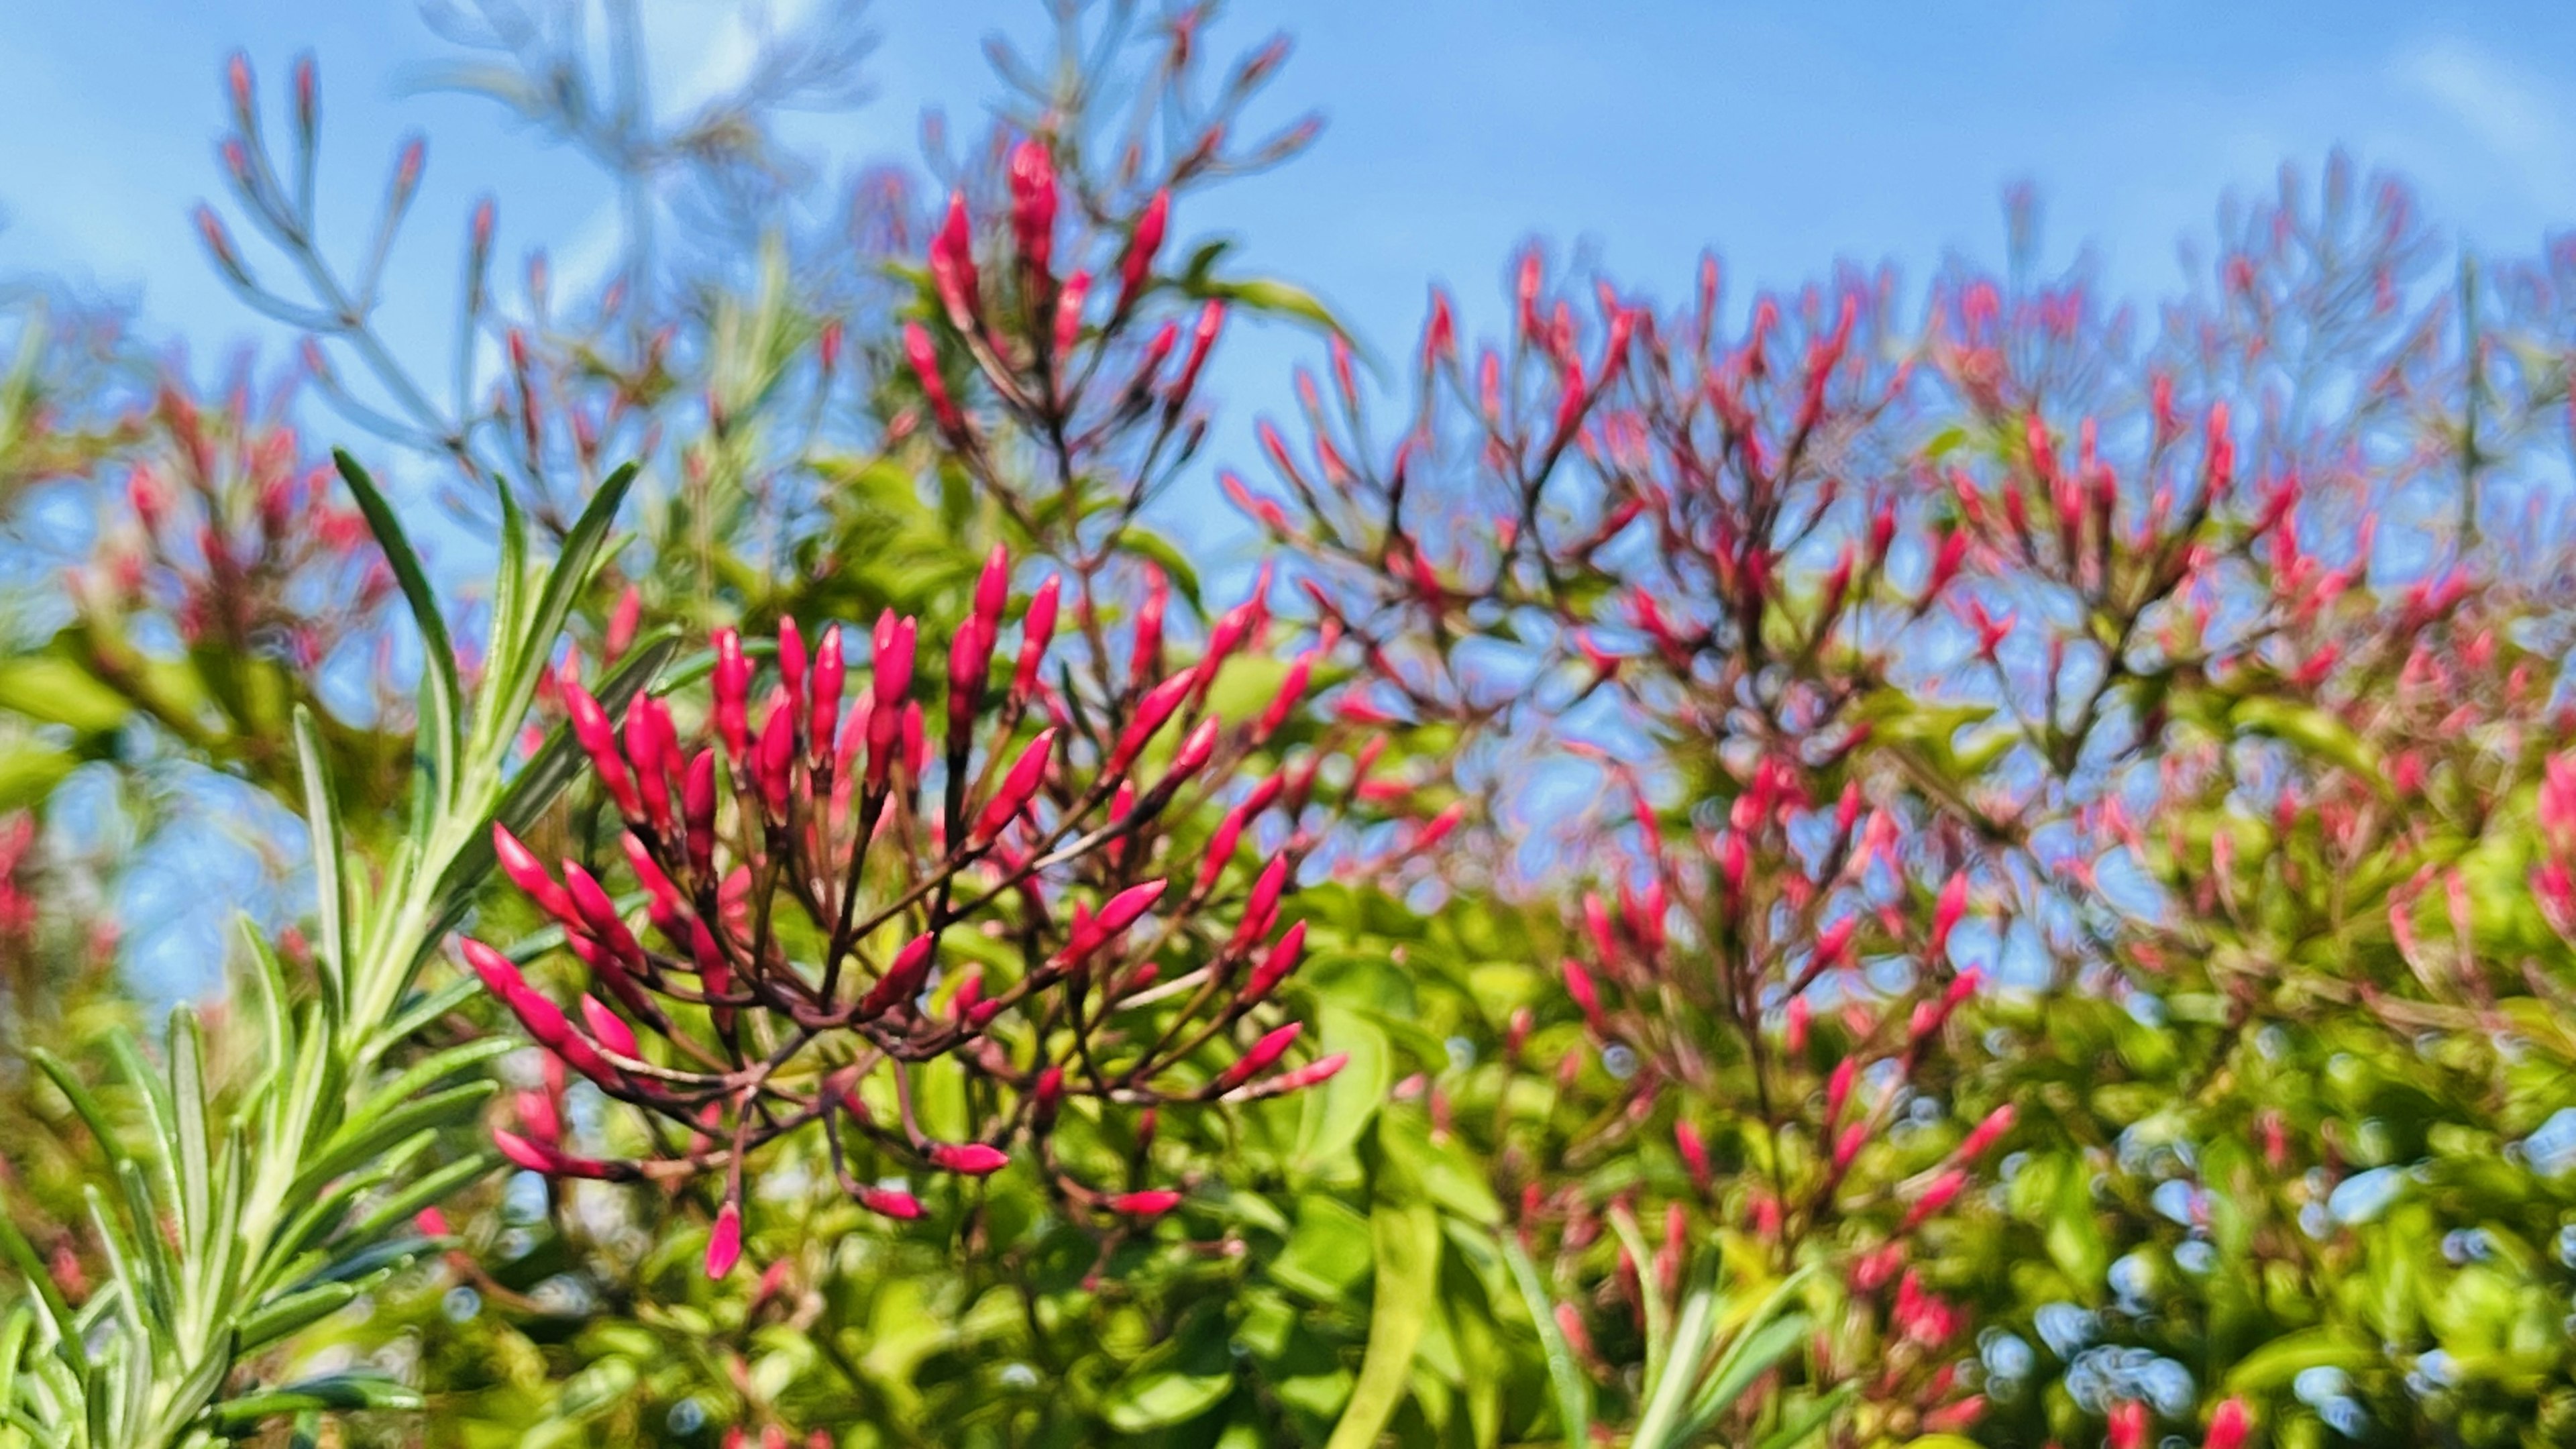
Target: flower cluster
(238,540)
(848,899)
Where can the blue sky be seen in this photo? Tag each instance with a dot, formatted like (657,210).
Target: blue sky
(1786,135)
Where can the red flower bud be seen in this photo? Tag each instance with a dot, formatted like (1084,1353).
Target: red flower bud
(1985,1134)
(1033,204)
(903,978)
(1013,794)
(1838,1089)
(887,1202)
(529,875)
(2230,1425)
(1137,265)
(823,705)
(1152,1203)
(698,808)
(1152,712)
(1936,1197)
(1694,1150)
(724,1242)
(732,685)
(1035,632)
(1578,984)
(1261,904)
(611,1029)
(952,265)
(972,1159)
(1270,1048)
(1068,317)
(924,357)
(1275,966)
(1946,912)
(2127,1427)
(1202,338)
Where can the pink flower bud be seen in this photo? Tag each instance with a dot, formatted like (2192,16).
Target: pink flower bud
(1985,1134)
(774,760)
(892,643)
(732,687)
(1838,1089)
(590,728)
(698,807)
(903,978)
(972,1159)
(1936,1197)
(609,1028)
(1152,1203)
(2230,1425)
(1152,712)
(724,1241)
(1291,690)
(1276,964)
(1136,266)
(520,1152)
(1202,340)
(653,744)
(1270,1048)
(1299,1080)
(1197,748)
(1220,848)
(1946,912)
(2127,1427)
(923,354)
(824,702)
(1578,984)
(952,265)
(1035,632)
(1033,204)
(792,663)
(598,913)
(1013,794)
(525,872)
(1261,905)
(1694,1150)
(887,1202)
(1068,317)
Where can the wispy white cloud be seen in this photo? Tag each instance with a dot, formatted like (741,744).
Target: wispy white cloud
(2526,121)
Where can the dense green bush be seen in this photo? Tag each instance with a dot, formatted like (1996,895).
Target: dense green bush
(1828,870)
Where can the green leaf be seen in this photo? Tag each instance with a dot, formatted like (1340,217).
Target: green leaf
(330,891)
(1565,1376)
(1340,1110)
(340,1391)
(1162,1398)
(1278,298)
(2285,1358)
(441,696)
(51,689)
(188,1097)
(283,1317)
(1407,1241)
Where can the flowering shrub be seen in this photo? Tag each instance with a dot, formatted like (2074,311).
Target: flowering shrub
(811,974)
(1804,872)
